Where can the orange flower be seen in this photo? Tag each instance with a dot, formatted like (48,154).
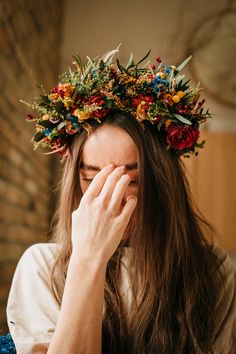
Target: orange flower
(54,96)
(68,89)
(82,115)
(141,113)
(46,117)
(126,79)
(167,123)
(167,98)
(176,98)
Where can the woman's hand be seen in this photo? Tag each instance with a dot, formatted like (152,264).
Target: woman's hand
(101,218)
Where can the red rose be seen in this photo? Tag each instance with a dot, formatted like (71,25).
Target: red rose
(99,101)
(59,91)
(146,101)
(157,119)
(181,137)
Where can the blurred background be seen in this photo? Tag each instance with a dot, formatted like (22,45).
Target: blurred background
(37,40)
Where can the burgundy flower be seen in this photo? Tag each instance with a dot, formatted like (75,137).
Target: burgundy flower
(99,101)
(59,91)
(181,137)
(157,119)
(146,101)
(29,117)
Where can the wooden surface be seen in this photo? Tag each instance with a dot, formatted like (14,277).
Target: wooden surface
(212,176)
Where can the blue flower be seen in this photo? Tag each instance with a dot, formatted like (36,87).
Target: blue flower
(74,119)
(168,70)
(156,83)
(165,82)
(47,132)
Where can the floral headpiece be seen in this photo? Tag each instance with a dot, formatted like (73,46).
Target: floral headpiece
(153,93)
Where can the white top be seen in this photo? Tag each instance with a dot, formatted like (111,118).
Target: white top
(32,310)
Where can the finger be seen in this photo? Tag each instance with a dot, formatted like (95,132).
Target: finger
(118,193)
(98,181)
(127,210)
(110,183)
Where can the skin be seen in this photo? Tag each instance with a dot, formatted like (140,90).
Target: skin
(98,225)
(114,146)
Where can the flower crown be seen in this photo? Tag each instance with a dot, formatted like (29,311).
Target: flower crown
(153,93)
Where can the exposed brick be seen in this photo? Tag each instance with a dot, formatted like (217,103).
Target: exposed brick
(10,252)
(7,271)
(25,175)
(3,324)
(4,290)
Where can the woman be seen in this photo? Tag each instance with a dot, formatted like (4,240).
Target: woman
(132,267)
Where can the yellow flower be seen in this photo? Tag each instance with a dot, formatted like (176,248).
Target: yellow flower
(46,117)
(142,79)
(176,99)
(161,74)
(167,123)
(126,79)
(140,113)
(109,85)
(168,99)
(81,115)
(181,94)
(67,102)
(130,92)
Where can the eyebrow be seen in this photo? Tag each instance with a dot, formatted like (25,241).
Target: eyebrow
(128,166)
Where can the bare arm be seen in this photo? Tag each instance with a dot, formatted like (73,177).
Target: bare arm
(79,326)
(103,220)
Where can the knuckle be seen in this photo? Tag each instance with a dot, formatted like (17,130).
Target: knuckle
(101,204)
(113,212)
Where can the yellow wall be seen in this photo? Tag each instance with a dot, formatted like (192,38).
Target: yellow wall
(212,175)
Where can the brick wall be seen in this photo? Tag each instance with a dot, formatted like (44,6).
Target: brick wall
(30,34)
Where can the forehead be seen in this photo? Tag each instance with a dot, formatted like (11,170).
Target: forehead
(109,144)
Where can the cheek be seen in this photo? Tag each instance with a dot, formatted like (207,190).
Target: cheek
(132,190)
(84,185)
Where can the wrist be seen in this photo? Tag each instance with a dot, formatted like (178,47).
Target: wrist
(88,261)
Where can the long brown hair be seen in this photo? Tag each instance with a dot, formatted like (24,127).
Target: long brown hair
(173,270)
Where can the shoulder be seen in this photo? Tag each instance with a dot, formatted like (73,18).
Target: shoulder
(32,276)
(37,258)
(40,253)
(221,253)
(227,266)
(227,285)
(32,309)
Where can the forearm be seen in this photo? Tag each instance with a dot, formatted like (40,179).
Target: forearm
(79,327)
